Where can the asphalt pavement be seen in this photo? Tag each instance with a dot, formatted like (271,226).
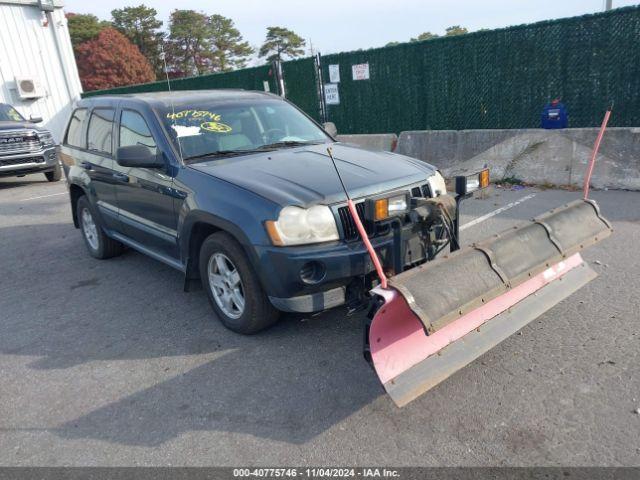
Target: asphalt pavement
(111,363)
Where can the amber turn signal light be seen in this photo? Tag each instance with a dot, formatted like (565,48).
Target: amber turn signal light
(381,209)
(484,178)
(273,233)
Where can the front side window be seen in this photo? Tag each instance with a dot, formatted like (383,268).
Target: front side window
(9,114)
(100,130)
(74,132)
(210,128)
(135,131)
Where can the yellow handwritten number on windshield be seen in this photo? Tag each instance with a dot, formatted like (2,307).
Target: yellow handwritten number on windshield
(194,114)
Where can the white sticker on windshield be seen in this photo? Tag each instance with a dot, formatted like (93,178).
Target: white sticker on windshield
(185,131)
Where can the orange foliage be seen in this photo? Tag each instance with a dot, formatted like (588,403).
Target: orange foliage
(111,60)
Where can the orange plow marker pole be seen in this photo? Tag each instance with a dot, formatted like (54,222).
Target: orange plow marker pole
(594,154)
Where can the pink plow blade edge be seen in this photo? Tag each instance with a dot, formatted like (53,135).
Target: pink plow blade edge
(397,339)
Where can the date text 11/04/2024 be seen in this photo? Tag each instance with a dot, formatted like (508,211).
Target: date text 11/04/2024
(321,472)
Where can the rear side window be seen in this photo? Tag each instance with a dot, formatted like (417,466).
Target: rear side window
(100,130)
(135,131)
(74,132)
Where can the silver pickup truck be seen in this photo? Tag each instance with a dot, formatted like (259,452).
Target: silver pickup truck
(26,148)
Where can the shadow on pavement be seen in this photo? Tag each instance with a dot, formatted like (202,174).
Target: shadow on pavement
(290,388)
(289,383)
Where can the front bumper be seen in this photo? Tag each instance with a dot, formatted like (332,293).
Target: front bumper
(338,265)
(312,302)
(29,162)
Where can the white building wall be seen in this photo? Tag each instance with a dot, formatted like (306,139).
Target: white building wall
(36,44)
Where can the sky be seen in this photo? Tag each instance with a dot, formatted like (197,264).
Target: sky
(333,26)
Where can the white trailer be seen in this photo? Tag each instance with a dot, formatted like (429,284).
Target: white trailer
(38,72)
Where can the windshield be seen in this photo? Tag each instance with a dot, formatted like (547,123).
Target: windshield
(217,129)
(9,114)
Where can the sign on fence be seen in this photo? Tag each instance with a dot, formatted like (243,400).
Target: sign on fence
(360,71)
(334,73)
(331,95)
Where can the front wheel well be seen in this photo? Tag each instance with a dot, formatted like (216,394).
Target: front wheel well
(75,192)
(199,232)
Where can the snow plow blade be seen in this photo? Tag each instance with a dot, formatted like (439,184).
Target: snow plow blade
(440,316)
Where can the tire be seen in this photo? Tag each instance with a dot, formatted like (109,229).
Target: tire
(257,312)
(99,245)
(54,175)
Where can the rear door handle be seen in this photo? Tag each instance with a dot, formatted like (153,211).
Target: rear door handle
(86,165)
(121,177)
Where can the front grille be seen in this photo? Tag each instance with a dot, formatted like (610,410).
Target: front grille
(19,142)
(20,161)
(349,227)
(21,147)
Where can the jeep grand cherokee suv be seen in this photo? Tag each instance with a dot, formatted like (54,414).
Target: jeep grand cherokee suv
(26,148)
(236,190)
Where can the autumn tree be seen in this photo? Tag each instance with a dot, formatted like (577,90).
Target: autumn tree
(229,49)
(282,42)
(84,27)
(111,60)
(455,30)
(189,47)
(141,26)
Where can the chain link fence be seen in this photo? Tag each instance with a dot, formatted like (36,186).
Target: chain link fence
(487,79)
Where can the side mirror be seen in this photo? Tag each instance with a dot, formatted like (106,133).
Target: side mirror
(138,156)
(33,119)
(330,128)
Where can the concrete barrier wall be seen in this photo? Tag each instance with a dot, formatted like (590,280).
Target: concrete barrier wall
(558,157)
(381,141)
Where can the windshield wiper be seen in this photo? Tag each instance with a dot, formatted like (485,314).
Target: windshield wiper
(286,143)
(218,153)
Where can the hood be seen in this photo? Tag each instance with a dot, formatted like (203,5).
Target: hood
(10,125)
(305,176)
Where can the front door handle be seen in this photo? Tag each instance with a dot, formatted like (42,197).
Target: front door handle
(86,165)
(121,177)
(174,192)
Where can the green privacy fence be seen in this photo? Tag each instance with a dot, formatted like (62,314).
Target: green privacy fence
(487,79)
(248,79)
(300,85)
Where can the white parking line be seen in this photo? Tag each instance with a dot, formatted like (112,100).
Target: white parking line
(496,212)
(43,196)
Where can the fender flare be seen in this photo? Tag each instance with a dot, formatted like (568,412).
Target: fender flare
(74,215)
(184,239)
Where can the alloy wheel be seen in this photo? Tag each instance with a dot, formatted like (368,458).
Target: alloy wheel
(226,285)
(89,228)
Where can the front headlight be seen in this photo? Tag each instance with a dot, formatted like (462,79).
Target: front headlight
(299,226)
(46,138)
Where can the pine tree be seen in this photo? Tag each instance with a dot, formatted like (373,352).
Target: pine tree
(281,42)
